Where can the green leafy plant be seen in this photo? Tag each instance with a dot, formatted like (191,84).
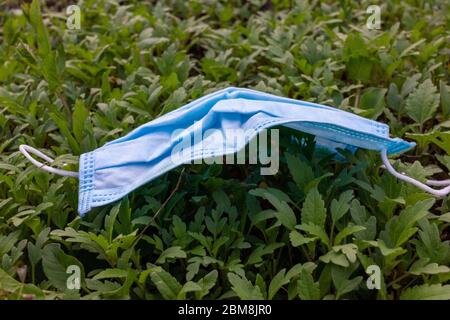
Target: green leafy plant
(222,231)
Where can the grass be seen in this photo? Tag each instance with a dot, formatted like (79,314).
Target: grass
(222,231)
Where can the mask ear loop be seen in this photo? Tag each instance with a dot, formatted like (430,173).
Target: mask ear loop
(438,183)
(438,193)
(26,150)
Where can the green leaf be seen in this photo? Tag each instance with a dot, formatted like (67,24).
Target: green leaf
(400,228)
(79,117)
(349,230)
(62,125)
(11,285)
(421,105)
(348,286)
(350,250)
(427,292)
(420,267)
(372,102)
(188,287)
(360,69)
(393,98)
(361,217)
(277,193)
(167,285)
(445,160)
(35,250)
(42,37)
(243,288)
(357,57)
(262,250)
(430,247)
(171,253)
(445,217)
(284,213)
(277,282)
(301,172)
(55,263)
(110,220)
(307,288)
(111,273)
(296,269)
(422,139)
(442,139)
(206,284)
(286,216)
(313,210)
(340,207)
(342,282)
(315,230)
(393,252)
(7,242)
(297,239)
(336,258)
(445,99)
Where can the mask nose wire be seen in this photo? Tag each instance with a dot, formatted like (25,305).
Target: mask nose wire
(26,150)
(438,193)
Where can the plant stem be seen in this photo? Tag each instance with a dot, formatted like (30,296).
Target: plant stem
(403,276)
(159,210)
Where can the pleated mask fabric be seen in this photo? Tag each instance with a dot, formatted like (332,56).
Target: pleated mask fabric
(120,166)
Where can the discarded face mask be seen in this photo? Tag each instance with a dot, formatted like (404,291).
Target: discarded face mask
(120,166)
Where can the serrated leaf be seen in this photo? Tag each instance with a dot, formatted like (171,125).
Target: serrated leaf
(429,246)
(189,286)
(421,104)
(171,253)
(336,258)
(111,273)
(400,228)
(419,268)
(42,36)
(349,230)
(301,172)
(62,125)
(349,250)
(427,292)
(313,210)
(442,139)
(55,263)
(262,250)
(11,285)
(79,117)
(315,230)
(297,239)
(307,288)
(372,102)
(243,288)
(284,212)
(277,282)
(340,207)
(167,285)
(206,283)
(445,99)
(342,281)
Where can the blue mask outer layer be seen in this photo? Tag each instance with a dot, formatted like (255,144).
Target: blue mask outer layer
(120,166)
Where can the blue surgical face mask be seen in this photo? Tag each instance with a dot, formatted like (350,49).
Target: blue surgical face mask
(120,166)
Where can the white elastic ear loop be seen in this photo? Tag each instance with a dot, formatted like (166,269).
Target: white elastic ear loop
(26,150)
(438,183)
(438,193)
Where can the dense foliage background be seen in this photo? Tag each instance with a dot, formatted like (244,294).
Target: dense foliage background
(224,231)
